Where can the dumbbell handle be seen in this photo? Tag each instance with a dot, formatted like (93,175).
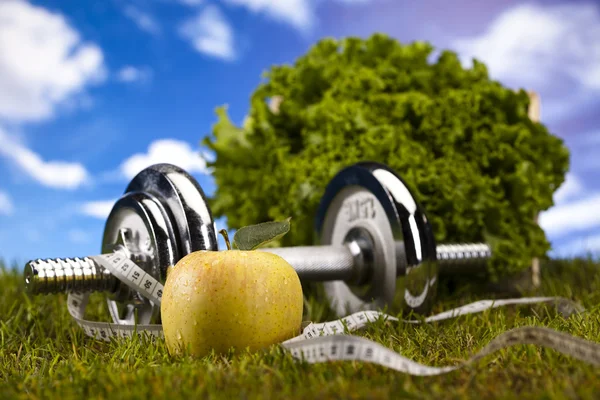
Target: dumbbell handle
(66,275)
(312,263)
(461,258)
(348,262)
(322,263)
(57,275)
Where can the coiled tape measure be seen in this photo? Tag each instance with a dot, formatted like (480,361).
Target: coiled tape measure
(327,341)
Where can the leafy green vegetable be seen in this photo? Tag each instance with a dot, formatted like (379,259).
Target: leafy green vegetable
(465,145)
(253,236)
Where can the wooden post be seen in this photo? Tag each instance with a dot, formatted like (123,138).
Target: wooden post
(534,113)
(274,104)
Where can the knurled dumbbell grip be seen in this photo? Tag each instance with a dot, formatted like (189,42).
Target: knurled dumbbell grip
(319,263)
(312,263)
(67,274)
(340,262)
(464,258)
(86,275)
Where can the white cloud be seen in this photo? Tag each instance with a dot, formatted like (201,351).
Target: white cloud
(97,209)
(43,62)
(170,151)
(6,205)
(210,34)
(78,236)
(575,216)
(530,43)
(54,174)
(298,13)
(571,188)
(143,20)
(131,74)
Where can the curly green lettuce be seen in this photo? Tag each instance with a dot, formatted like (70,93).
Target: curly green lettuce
(464,144)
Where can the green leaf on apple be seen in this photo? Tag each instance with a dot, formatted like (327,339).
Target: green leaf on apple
(253,236)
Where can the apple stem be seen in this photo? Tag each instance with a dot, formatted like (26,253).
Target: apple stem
(226,237)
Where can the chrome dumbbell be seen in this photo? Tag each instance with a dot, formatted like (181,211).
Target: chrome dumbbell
(374,248)
(162,216)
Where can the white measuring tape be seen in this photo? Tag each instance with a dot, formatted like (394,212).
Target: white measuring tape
(133,276)
(329,341)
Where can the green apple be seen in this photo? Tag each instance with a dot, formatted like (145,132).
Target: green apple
(216,300)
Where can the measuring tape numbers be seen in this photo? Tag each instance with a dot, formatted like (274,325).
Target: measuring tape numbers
(133,276)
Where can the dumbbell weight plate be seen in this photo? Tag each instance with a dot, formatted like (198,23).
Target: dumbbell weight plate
(172,221)
(139,222)
(185,203)
(371,200)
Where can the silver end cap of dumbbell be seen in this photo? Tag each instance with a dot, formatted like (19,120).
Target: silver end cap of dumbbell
(370,201)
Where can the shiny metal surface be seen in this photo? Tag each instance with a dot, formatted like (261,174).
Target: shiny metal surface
(371,197)
(185,203)
(462,258)
(139,224)
(162,216)
(67,274)
(320,263)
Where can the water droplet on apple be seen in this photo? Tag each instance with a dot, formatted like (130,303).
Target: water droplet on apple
(178,335)
(195,322)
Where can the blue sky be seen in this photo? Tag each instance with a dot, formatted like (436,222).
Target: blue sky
(92,92)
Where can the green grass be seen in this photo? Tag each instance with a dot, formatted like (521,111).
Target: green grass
(43,354)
